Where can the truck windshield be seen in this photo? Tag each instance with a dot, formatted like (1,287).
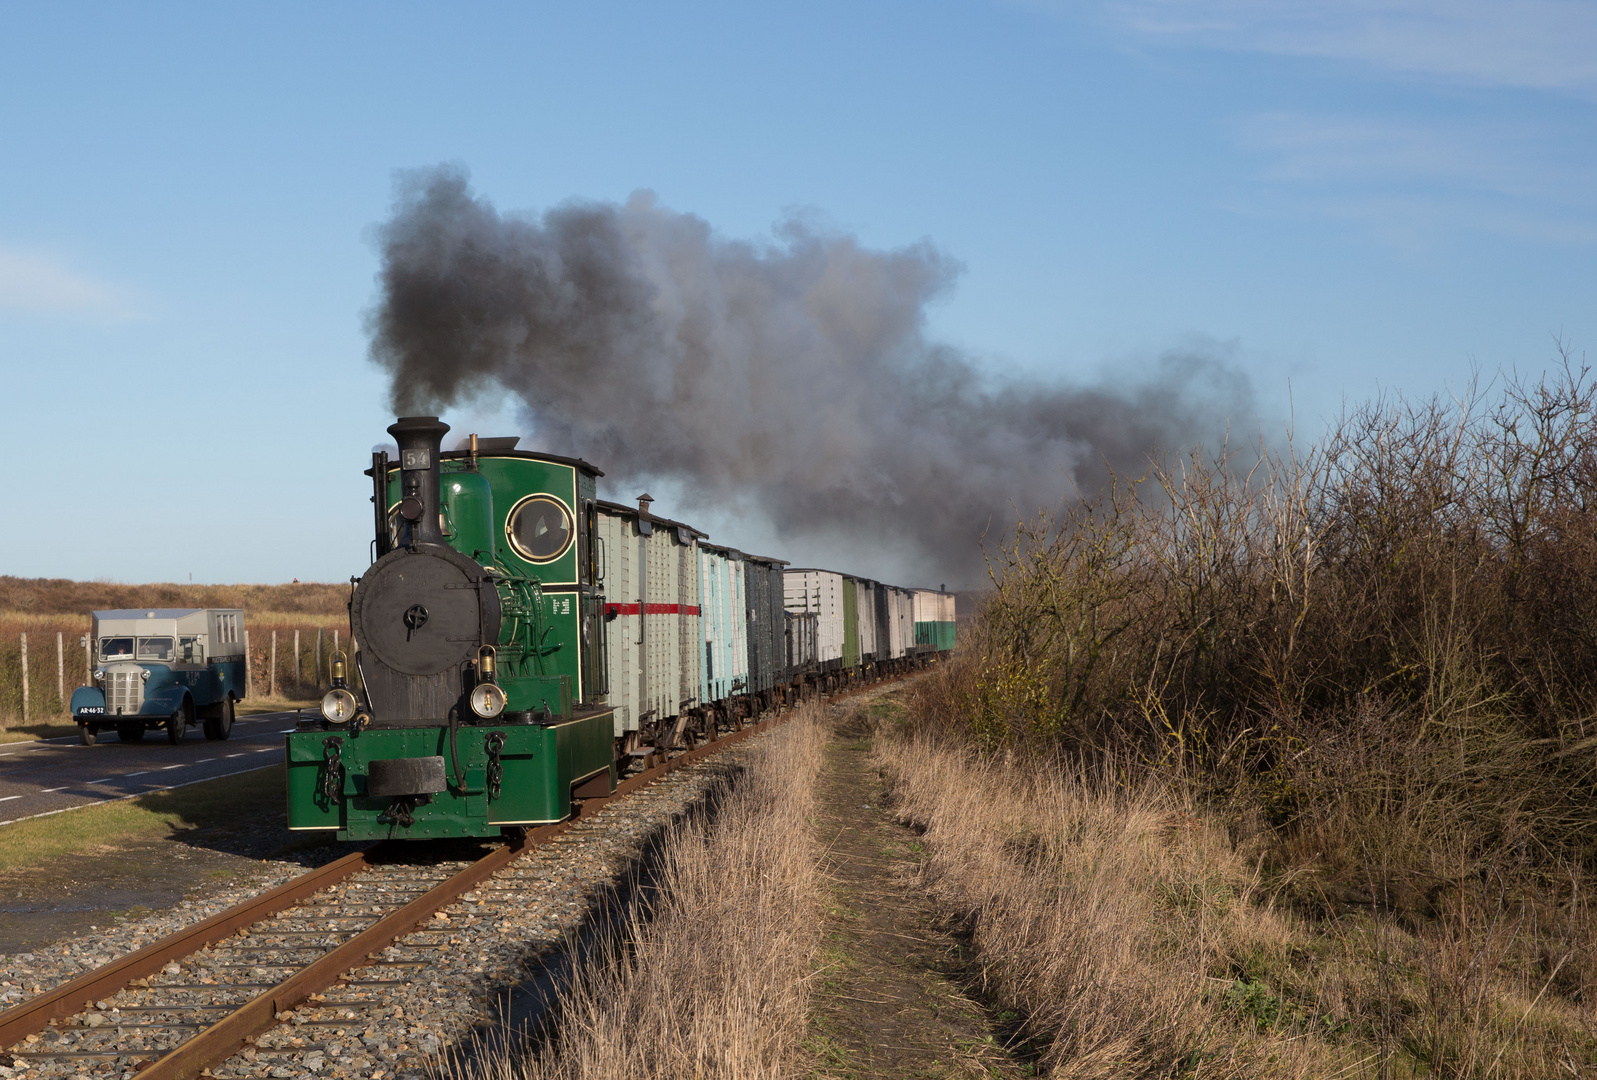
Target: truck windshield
(116,648)
(155,648)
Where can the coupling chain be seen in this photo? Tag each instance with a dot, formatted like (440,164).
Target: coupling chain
(332,770)
(496,771)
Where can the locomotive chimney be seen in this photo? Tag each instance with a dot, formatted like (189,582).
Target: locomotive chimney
(420,438)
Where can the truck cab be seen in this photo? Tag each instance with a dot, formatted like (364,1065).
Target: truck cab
(163,669)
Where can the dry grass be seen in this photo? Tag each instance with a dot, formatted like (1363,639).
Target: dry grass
(1112,918)
(1137,939)
(60,596)
(710,978)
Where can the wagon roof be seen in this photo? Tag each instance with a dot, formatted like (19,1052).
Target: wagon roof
(623,508)
(148,613)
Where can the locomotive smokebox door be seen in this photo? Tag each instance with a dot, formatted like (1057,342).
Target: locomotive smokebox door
(425,611)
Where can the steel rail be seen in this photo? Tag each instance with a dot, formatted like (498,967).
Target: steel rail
(224,1038)
(33,1015)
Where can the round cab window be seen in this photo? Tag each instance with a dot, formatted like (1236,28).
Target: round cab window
(539,528)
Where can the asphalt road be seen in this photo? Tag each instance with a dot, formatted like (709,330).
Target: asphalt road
(57,774)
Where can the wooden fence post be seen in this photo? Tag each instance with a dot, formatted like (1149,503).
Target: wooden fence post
(296,664)
(24,678)
(60,673)
(318,659)
(247,664)
(271,675)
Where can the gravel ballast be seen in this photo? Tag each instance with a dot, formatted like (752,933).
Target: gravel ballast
(390,1019)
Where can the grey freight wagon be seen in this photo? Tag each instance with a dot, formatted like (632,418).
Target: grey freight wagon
(163,669)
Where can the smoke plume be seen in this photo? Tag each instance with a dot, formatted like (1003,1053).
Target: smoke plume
(793,378)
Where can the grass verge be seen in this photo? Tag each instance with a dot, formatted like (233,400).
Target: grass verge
(711,976)
(50,729)
(161,813)
(1135,937)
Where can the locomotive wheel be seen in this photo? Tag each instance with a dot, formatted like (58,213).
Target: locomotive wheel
(130,732)
(177,724)
(85,735)
(222,726)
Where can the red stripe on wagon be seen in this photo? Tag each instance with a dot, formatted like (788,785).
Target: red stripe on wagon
(653,609)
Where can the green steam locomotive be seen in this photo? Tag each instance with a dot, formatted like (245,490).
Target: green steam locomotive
(472,637)
(493,683)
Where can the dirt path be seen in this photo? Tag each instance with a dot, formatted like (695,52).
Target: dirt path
(890,999)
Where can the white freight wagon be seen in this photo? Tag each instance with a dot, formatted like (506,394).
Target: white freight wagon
(649,577)
(902,604)
(865,617)
(723,617)
(818,592)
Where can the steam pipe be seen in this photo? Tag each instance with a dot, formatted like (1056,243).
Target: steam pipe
(380,500)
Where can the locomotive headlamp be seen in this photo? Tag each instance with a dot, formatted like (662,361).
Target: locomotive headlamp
(487,700)
(339,705)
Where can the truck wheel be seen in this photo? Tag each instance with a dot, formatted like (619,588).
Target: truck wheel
(177,724)
(222,726)
(131,732)
(85,735)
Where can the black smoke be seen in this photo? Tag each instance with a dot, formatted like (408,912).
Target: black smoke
(792,377)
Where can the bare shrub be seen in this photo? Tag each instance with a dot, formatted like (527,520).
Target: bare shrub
(1374,661)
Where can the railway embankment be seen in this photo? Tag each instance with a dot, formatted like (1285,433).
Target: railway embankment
(791,933)
(709,972)
(432,989)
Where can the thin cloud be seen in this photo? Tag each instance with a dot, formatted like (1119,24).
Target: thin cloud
(1407,179)
(1502,159)
(1539,44)
(34,283)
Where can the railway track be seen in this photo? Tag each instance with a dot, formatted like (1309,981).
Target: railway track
(275,978)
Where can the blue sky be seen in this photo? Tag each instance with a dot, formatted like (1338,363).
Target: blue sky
(1344,197)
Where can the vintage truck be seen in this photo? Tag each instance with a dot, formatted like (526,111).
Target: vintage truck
(163,669)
